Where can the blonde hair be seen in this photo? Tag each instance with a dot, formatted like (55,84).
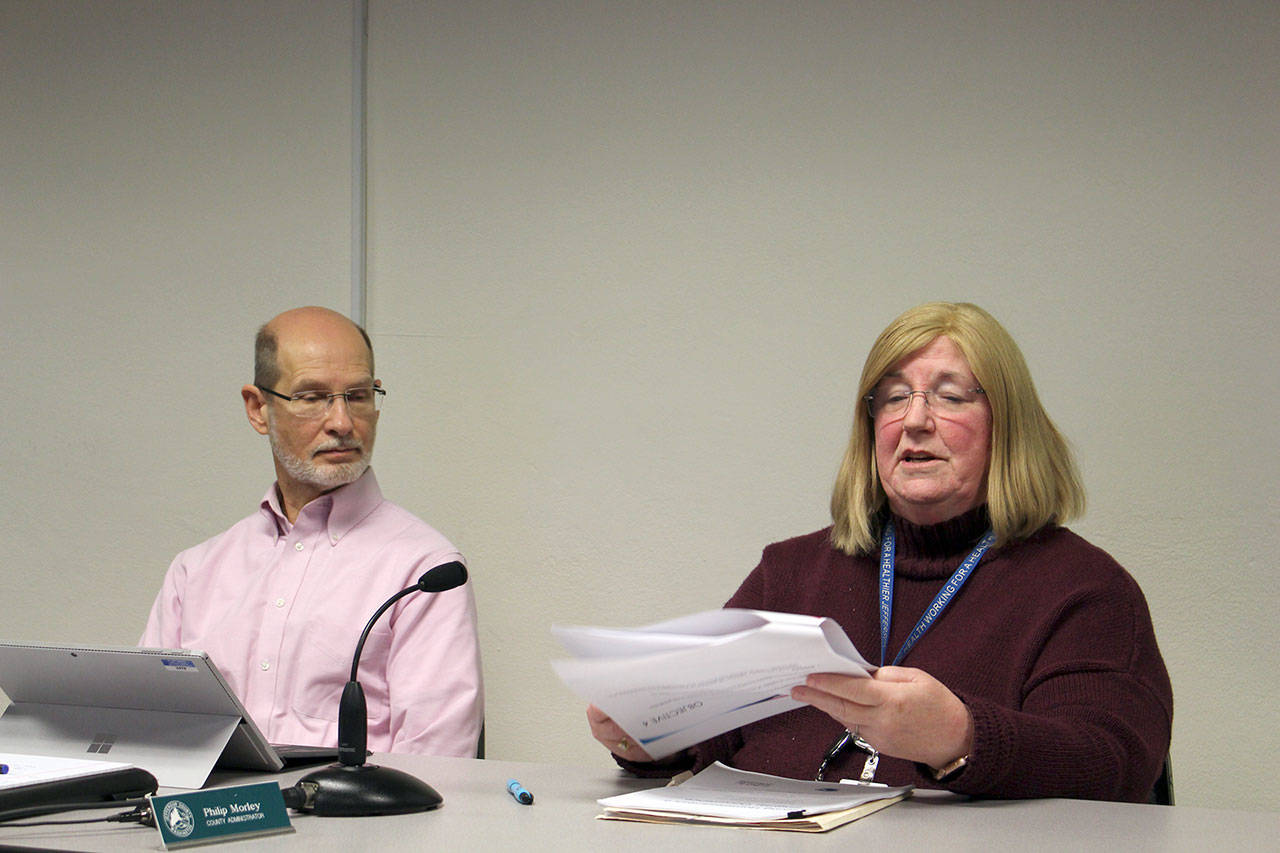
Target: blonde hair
(1032,478)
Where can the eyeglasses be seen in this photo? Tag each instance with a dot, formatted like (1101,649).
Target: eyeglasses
(361,402)
(893,401)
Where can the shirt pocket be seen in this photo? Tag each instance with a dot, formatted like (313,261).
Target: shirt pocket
(322,665)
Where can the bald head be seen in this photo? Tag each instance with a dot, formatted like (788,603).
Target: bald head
(299,327)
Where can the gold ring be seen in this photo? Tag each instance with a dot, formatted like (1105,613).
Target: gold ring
(624,745)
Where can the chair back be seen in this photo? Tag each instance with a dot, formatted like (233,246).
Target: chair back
(1162,793)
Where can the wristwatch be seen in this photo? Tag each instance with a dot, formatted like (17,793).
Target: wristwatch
(944,774)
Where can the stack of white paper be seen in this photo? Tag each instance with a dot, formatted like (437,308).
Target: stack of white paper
(722,795)
(677,683)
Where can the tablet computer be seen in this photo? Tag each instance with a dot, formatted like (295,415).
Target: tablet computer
(168,711)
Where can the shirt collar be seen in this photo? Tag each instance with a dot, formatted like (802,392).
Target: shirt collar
(339,511)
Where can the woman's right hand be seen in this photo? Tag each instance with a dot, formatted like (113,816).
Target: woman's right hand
(609,733)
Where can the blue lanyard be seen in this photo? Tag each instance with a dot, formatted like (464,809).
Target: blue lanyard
(888,545)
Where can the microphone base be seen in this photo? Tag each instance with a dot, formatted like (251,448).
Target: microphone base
(366,789)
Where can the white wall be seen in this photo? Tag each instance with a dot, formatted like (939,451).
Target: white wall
(172,175)
(625,262)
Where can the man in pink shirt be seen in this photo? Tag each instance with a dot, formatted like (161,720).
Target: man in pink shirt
(279,600)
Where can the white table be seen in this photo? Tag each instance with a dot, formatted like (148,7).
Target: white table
(478,814)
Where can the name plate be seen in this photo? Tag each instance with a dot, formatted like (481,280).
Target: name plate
(220,814)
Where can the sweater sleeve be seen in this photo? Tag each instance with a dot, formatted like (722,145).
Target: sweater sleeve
(1096,711)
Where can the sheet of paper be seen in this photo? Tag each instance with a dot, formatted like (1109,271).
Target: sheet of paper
(31,769)
(823,822)
(720,791)
(676,683)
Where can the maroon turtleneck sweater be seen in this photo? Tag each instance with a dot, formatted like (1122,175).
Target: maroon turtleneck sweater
(1049,643)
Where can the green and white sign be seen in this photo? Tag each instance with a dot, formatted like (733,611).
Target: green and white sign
(220,814)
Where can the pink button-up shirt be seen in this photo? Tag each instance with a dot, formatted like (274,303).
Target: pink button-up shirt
(280,607)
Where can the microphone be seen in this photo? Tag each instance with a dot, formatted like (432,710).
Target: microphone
(352,788)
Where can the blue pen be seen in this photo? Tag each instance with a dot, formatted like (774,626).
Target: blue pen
(518,793)
(4,768)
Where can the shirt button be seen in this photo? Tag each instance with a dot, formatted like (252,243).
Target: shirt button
(279,602)
(297,546)
(266,665)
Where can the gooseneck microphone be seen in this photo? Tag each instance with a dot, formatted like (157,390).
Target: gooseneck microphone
(352,788)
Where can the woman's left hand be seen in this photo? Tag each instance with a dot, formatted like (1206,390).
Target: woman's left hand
(903,712)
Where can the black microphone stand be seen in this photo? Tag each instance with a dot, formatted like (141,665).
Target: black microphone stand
(352,788)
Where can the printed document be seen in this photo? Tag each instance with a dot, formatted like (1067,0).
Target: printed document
(26,770)
(677,683)
(722,795)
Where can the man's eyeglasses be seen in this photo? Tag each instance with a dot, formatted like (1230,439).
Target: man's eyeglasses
(894,400)
(361,402)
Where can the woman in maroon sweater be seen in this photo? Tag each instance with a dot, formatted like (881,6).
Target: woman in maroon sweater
(1018,660)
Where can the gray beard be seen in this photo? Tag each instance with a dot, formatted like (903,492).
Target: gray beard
(321,476)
